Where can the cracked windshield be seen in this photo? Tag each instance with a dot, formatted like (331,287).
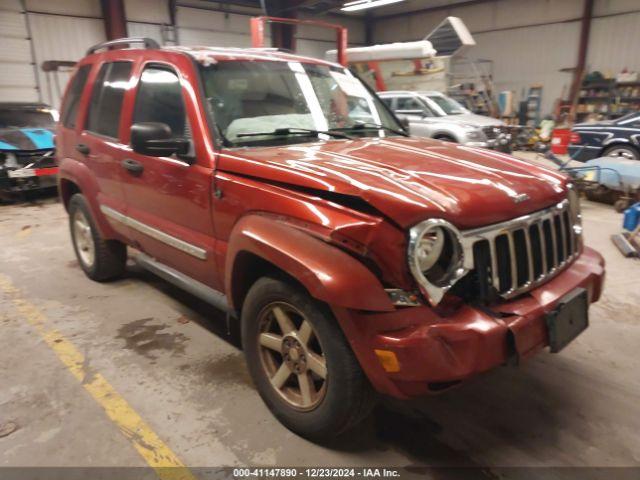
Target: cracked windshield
(275,103)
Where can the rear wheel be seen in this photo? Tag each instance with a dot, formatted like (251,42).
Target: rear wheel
(624,151)
(301,363)
(100,259)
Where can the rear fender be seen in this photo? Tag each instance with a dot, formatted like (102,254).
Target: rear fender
(80,175)
(328,273)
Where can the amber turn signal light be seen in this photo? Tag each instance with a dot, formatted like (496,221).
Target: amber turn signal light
(388,360)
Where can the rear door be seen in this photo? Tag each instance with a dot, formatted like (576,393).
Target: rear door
(169,200)
(99,144)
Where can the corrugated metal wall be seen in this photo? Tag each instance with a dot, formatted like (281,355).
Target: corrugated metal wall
(529,41)
(63,30)
(18,80)
(149,18)
(615,43)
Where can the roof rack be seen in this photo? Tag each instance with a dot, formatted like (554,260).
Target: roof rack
(147,42)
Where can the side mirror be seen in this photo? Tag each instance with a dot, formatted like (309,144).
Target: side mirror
(404,121)
(156,139)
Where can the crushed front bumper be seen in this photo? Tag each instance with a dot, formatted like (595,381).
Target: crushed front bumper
(27,179)
(435,352)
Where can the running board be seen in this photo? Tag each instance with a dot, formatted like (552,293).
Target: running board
(180,280)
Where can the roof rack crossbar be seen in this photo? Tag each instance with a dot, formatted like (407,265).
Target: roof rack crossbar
(147,42)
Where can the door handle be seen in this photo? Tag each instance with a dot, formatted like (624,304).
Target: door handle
(133,166)
(83,149)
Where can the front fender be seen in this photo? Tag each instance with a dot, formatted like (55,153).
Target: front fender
(328,273)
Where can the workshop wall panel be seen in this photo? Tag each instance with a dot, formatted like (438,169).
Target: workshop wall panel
(529,41)
(81,8)
(531,55)
(18,79)
(614,43)
(58,37)
(147,30)
(147,11)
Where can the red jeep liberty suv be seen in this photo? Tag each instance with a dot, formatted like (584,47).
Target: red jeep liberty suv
(280,188)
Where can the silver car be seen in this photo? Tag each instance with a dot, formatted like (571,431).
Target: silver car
(432,114)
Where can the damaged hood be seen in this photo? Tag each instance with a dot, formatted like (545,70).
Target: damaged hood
(408,179)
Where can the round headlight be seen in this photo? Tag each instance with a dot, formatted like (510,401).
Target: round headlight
(435,257)
(574,204)
(574,212)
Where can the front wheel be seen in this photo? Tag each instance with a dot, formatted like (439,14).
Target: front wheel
(300,361)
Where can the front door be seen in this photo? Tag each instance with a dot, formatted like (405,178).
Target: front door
(169,198)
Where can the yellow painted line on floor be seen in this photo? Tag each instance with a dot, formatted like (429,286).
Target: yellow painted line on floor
(154,451)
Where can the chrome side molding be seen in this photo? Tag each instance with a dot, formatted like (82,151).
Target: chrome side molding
(152,232)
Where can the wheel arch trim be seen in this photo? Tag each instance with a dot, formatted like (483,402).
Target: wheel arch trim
(326,272)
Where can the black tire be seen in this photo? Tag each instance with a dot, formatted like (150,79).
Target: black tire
(622,151)
(621,205)
(110,256)
(348,398)
(445,138)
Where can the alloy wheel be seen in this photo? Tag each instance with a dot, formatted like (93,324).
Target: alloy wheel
(621,153)
(291,356)
(83,238)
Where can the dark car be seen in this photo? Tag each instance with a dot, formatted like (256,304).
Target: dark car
(611,138)
(26,147)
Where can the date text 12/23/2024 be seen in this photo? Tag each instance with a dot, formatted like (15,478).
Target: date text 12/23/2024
(309,472)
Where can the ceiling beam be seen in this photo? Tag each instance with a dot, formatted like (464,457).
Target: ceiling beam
(449,6)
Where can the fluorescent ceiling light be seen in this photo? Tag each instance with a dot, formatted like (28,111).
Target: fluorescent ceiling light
(362,4)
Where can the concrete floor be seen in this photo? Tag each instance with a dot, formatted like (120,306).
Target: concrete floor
(169,356)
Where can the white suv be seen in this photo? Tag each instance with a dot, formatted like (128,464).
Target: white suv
(432,114)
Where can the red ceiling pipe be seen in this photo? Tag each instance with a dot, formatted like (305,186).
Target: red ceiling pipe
(115,20)
(258,24)
(578,74)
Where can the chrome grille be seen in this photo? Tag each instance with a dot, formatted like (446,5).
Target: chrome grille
(519,254)
(491,132)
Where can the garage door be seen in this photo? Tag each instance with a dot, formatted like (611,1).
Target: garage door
(62,31)
(18,80)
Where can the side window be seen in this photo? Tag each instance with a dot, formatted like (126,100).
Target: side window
(409,103)
(159,99)
(72,101)
(106,98)
(388,101)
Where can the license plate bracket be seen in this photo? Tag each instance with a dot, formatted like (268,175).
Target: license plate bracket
(568,320)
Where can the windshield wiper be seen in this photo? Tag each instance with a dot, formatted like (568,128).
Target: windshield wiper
(283,132)
(371,126)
